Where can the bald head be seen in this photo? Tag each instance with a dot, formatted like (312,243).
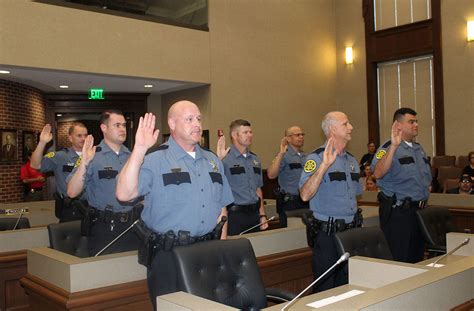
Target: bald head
(184,120)
(336,124)
(295,137)
(178,108)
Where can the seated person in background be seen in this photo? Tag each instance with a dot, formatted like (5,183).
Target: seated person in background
(366,171)
(33,181)
(367,158)
(371,184)
(469,169)
(465,186)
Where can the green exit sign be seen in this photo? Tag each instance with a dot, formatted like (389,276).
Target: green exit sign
(96,94)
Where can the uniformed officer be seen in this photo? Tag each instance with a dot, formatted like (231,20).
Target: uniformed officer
(185,191)
(330,181)
(97,173)
(403,174)
(287,166)
(62,163)
(244,171)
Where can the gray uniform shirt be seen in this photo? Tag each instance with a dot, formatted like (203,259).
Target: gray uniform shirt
(62,164)
(290,170)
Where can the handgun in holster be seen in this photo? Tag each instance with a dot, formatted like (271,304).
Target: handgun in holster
(358,218)
(147,248)
(88,221)
(311,228)
(58,205)
(217,232)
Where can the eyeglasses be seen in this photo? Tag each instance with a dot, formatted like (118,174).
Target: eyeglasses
(297,134)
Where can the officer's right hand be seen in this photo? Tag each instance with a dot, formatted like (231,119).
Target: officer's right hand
(46,136)
(222,151)
(329,154)
(88,150)
(146,135)
(396,137)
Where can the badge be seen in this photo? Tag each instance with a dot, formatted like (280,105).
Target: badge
(78,162)
(352,167)
(176,170)
(50,155)
(310,166)
(214,166)
(255,162)
(380,154)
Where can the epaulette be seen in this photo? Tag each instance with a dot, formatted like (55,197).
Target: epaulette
(319,150)
(349,153)
(157,148)
(416,143)
(387,144)
(252,153)
(208,150)
(98,149)
(63,149)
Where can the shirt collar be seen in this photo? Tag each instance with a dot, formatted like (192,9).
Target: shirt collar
(179,152)
(106,148)
(236,153)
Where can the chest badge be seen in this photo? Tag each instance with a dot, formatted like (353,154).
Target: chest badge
(352,167)
(255,162)
(214,166)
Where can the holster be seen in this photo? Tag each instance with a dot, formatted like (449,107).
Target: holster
(358,218)
(386,205)
(90,217)
(217,232)
(146,250)
(311,228)
(58,205)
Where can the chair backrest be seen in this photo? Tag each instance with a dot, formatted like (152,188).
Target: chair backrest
(66,237)
(450,183)
(448,172)
(364,241)
(445,160)
(222,271)
(435,222)
(462,161)
(9,223)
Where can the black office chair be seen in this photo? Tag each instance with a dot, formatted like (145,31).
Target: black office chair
(66,237)
(435,222)
(225,272)
(9,223)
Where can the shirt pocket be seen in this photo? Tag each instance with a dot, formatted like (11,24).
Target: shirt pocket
(176,186)
(216,186)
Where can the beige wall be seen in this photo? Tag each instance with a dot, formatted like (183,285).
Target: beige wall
(273,63)
(47,36)
(458,71)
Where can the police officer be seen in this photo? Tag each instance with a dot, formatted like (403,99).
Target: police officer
(97,173)
(61,163)
(403,174)
(330,181)
(287,166)
(185,191)
(244,172)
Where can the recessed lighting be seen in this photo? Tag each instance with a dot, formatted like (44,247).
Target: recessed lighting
(59,115)
(148,85)
(5,72)
(64,86)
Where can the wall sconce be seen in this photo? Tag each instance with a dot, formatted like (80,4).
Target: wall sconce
(470,30)
(349,56)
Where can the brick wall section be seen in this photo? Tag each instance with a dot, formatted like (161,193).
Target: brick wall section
(22,108)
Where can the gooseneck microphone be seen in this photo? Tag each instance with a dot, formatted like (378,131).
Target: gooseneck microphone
(257,225)
(465,242)
(118,237)
(343,258)
(18,220)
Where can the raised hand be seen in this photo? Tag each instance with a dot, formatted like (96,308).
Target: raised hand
(283,145)
(222,151)
(88,150)
(46,136)
(329,153)
(396,136)
(146,135)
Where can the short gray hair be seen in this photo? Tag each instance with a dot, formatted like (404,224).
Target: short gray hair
(327,122)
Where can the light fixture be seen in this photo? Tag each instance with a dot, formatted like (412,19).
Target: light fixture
(64,86)
(349,56)
(59,115)
(470,30)
(4,72)
(148,85)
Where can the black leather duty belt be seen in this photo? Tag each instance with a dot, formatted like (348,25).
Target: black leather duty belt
(116,217)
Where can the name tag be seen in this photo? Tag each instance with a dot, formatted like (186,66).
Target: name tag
(236,170)
(108,174)
(337,176)
(176,178)
(295,166)
(406,160)
(355,176)
(68,168)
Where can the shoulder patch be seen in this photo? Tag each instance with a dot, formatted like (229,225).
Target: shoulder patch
(387,144)
(380,154)
(157,148)
(50,154)
(310,166)
(318,151)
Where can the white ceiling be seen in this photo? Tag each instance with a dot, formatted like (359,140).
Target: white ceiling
(79,82)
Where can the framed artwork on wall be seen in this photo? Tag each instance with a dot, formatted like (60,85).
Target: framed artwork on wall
(9,142)
(205,139)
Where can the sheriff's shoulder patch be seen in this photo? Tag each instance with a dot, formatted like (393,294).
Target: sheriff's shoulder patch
(380,154)
(310,166)
(50,154)
(78,162)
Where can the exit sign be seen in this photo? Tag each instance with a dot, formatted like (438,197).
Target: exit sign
(96,94)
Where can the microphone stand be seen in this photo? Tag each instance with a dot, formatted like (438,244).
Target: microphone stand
(18,220)
(257,225)
(118,237)
(466,241)
(343,258)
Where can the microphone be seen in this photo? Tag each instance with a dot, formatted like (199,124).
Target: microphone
(341,259)
(18,220)
(257,225)
(465,242)
(118,237)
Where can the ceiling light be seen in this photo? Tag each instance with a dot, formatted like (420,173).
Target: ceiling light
(59,115)
(148,85)
(64,86)
(5,72)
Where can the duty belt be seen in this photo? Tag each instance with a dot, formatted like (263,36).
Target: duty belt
(169,240)
(337,225)
(404,204)
(116,217)
(250,208)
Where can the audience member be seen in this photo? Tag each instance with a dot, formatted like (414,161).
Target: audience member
(367,158)
(371,184)
(33,181)
(469,169)
(465,186)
